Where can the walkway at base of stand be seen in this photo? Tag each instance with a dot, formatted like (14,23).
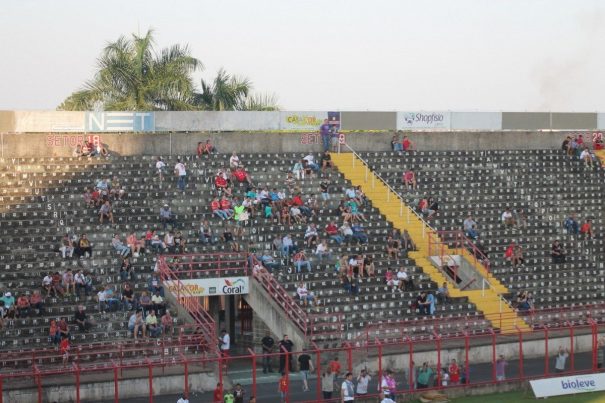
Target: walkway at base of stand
(267,391)
(403,217)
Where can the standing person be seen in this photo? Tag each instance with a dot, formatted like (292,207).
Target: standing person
(362,383)
(305,365)
(181,171)
(501,368)
(347,390)
(286,344)
(561,359)
(238,394)
(267,343)
(324,131)
(64,348)
(183,399)
(454,372)
(424,376)
(388,384)
(225,345)
(385,399)
(282,387)
(327,384)
(217,396)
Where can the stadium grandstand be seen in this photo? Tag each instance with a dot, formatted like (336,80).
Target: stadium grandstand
(430,263)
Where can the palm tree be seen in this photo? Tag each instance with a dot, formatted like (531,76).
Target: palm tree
(229,93)
(133,76)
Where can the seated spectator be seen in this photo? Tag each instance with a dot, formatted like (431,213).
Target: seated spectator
(359,233)
(299,260)
(305,296)
(407,144)
(345,280)
(23,306)
(517,258)
(145,302)
(106,212)
(409,180)
(135,244)
(157,244)
(108,300)
(433,208)
(129,301)
(154,285)
(47,284)
(205,148)
(288,246)
(206,234)
(77,152)
(565,145)
(586,229)
(509,252)
(332,232)
(423,206)
(571,224)
(220,181)
(119,246)
(311,236)
(166,216)
(296,214)
(324,189)
(160,167)
(88,200)
(84,324)
(396,143)
(390,278)
(83,247)
(242,176)
(226,206)
(63,328)
(520,218)
(298,172)
(67,247)
(117,191)
(360,196)
(557,252)
(167,323)
(586,157)
(37,302)
(406,282)
(68,282)
(407,242)
(136,324)
(169,242)
(228,238)
(326,162)
(368,267)
(234,161)
(57,281)
(422,304)
(468,225)
(310,158)
(159,305)
(393,248)
(53,332)
(323,251)
(180,243)
(443,294)
(356,215)
(269,262)
(507,218)
(522,302)
(153,327)
(347,232)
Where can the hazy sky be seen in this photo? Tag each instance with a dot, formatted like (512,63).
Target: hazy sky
(329,54)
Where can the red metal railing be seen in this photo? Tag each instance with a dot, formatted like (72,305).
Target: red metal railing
(207,264)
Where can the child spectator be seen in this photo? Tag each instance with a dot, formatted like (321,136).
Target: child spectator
(586,229)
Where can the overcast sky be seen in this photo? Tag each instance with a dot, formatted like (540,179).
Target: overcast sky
(512,55)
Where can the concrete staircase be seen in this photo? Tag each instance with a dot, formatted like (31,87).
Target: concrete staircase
(489,301)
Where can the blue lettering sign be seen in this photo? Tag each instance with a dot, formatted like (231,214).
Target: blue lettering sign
(119,122)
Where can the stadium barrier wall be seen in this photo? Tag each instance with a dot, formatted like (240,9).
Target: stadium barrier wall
(208,121)
(63,144)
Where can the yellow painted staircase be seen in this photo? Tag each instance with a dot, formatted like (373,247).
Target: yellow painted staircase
(488,301)
(600,155)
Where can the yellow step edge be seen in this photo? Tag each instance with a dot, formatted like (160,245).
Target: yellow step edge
(403,217)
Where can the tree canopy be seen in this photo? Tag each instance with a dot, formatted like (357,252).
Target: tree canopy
(132,75)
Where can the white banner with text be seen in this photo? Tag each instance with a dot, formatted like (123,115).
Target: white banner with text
(568,385)
(423,120)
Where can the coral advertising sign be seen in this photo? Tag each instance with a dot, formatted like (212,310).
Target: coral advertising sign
(205,287)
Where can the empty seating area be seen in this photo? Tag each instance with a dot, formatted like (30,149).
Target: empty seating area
(547,185)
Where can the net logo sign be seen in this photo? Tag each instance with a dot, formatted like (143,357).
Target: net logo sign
(233,287)
(119,122)
(579,385)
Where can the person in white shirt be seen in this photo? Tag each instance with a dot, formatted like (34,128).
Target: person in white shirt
(322,251)
(160,165)
(225,341)
(384,399)
(347,391)
(311,162)
(507,218)
(183,399)
(305,296)
(586,157)
(181,172)
(234,161)
(362,383)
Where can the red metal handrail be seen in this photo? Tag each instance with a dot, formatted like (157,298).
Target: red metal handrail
(459,243)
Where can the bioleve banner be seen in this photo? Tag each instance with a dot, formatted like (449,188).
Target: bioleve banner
(203,287)
(568,385)
(423,120)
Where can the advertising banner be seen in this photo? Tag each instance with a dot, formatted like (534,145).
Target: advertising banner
(119,122)
(203,287)
(568,385)
(307,121)
(423,120)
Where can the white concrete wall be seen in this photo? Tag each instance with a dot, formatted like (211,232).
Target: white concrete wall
(476,121)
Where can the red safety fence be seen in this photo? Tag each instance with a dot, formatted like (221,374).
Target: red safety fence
(458,244)
(452,363)
(207,264)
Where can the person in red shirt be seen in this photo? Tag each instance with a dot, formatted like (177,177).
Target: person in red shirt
(218,394)
(219,181)
(226,207)
(409,179)
(335,367)
(215,206)
(586,229)
(64,348)
(454,372)
(241,175)
(407,144)
(282,387)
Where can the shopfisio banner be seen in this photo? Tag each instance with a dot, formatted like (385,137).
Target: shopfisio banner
(423,120)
